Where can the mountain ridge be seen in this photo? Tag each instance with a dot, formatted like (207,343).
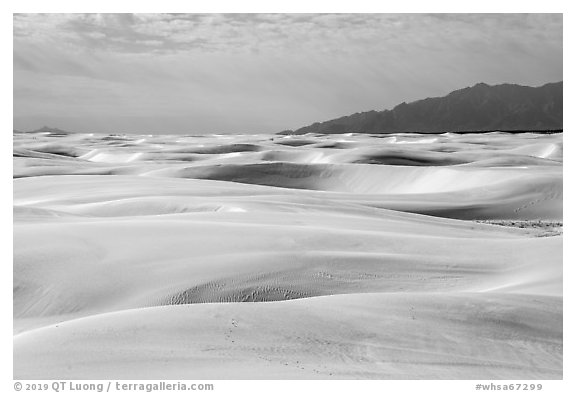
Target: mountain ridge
(480,108)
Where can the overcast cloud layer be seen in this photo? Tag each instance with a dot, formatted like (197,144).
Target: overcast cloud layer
(261,73)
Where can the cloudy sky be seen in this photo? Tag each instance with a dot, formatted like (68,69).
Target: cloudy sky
(193,73)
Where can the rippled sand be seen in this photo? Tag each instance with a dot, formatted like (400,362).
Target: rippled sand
(260,256)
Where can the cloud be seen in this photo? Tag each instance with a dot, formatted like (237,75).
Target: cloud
(277,70)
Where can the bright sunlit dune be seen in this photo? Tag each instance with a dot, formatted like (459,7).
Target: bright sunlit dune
(288,257)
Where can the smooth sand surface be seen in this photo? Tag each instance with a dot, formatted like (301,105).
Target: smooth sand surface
(267,257)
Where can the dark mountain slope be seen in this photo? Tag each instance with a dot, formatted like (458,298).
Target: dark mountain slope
(482,107)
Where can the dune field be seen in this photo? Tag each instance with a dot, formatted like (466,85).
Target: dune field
(351,256)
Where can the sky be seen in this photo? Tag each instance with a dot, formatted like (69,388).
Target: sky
(259,73)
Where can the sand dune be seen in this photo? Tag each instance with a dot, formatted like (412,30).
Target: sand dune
(258,256)
(388,336)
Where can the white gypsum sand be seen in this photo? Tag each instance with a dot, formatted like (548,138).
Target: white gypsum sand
(278,257)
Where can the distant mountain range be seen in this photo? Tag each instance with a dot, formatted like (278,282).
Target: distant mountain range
(45,129)
(505,107)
